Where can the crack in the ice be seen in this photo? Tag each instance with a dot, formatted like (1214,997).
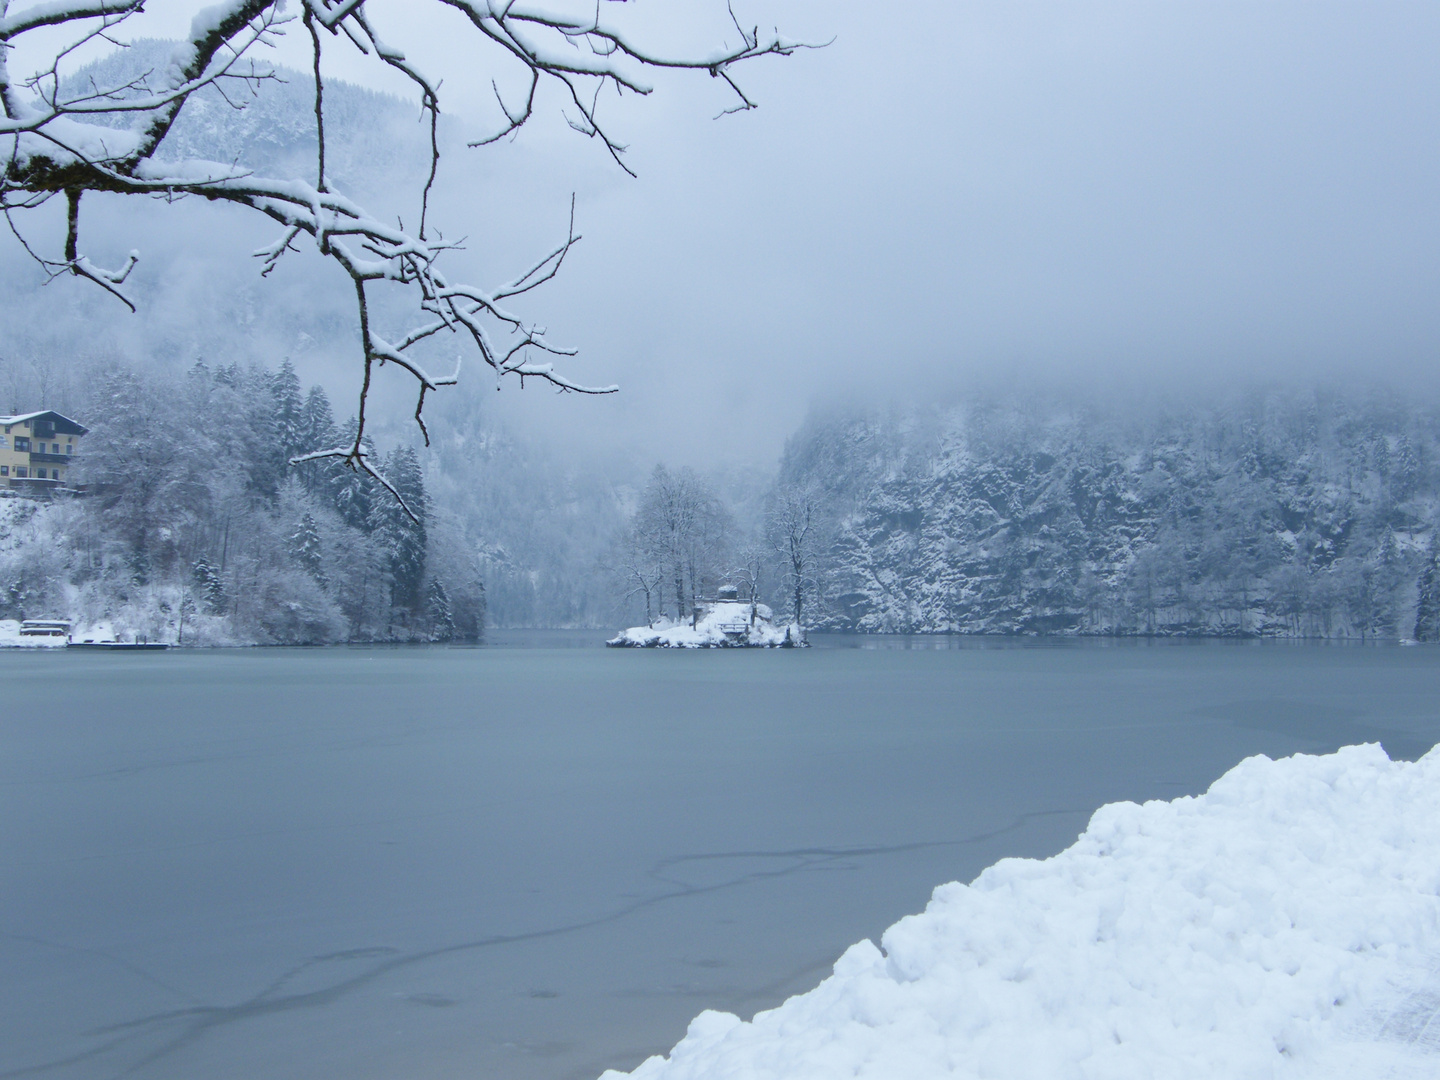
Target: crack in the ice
(810,858)
(196,1020)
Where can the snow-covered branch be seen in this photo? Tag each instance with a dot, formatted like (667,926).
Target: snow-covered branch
(108,139)
(58,12)
(356,456)
(577,51)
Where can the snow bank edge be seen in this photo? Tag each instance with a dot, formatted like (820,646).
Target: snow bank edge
(1261,929)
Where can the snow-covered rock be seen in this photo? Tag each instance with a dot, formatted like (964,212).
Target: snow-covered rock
(725,624)
(1284,924)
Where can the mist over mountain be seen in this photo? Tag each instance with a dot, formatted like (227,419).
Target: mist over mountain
(1296,513)
(204,308)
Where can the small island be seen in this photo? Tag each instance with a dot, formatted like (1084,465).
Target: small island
(726,622)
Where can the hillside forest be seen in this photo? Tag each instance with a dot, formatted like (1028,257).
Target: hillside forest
(190,525)
(1269,514)
(1307,512)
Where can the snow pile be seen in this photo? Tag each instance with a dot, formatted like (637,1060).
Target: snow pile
(726,624)
(1285,924)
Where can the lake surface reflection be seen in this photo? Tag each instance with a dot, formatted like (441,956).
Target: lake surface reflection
(540,858)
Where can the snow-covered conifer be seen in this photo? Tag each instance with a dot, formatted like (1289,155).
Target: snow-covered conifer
(317,431)
(306,549)
(437,612)
(1427,610)
(209,586)
(351,488)
(289,415)
(402,534)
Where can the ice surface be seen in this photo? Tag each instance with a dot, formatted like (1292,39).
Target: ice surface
(1284,924)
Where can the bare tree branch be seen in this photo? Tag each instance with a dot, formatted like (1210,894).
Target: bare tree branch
(53,144)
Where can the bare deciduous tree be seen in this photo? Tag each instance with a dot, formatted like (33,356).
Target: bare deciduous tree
(751,574)
(108,137)
(792,524)
(637,563)
(682,526)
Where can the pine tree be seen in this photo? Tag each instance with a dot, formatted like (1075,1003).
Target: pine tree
(404,539)
(317,432)
(209,586)
(289,410)
(1427,612)
(1407,469)
(437,612)
(306,548)
(261,443)
(317,423)
(351,490)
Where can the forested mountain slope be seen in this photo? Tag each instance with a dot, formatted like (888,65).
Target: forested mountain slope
(190,526)
(1269,514)
(529,525)
(1265,514)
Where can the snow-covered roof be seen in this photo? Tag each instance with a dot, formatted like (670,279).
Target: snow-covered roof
(63,423)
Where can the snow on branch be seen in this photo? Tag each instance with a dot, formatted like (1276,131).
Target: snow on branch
(577,52)
(107,138)
(357,457)
(59,12)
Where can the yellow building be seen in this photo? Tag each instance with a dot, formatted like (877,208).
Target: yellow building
(37,450)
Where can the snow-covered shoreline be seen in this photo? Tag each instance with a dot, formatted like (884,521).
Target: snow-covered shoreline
(1284,924)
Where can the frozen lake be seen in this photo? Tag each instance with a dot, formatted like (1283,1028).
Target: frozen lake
(541,858)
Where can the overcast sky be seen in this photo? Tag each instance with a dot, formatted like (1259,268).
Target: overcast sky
(955,192)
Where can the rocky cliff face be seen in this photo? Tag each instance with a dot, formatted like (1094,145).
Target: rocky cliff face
(1273,515)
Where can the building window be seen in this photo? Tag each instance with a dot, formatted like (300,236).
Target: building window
(4,470)
(21,472)
(69,448)
(54,447)
(22,444)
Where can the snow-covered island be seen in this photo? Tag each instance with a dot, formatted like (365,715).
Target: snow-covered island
(1284,924)
(727,622)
